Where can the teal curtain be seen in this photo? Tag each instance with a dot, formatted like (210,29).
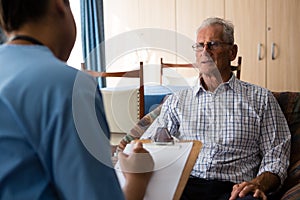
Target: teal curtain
(93,35)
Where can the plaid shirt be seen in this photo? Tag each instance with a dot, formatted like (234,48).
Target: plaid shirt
(242,128)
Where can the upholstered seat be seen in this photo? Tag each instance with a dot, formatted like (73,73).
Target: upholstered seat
(290,106)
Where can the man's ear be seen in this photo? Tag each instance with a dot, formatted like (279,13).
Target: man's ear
(234,50)
(61,6)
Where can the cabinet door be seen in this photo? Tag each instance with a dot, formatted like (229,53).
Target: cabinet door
(248,18)
(283,28)
(189,16)
(120,16)
(135,31)
(126,15)
(157,14)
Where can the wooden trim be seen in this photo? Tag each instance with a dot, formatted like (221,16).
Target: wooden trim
(142,92)
(197,145)
(163,65)
(237,68)
(126,74)
(172,65)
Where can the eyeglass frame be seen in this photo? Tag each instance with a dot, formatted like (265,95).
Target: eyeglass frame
(212,45)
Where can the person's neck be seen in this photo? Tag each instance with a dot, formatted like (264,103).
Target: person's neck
(28,34)
(44,35)
(25,39)
(212,81)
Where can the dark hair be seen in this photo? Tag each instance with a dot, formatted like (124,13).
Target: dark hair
(14,13)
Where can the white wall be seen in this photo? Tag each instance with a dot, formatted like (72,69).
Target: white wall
(76,55)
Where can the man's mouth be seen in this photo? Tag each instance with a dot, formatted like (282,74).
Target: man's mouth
(206,61)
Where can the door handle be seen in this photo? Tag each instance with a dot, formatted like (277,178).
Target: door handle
(259,51)
(273,50)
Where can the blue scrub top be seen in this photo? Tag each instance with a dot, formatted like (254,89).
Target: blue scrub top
(51,147)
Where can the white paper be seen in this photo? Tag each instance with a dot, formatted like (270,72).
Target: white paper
(169,162)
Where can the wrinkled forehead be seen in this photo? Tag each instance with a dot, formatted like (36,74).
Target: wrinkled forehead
(210,33)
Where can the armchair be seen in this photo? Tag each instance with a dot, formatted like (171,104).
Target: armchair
(290,106)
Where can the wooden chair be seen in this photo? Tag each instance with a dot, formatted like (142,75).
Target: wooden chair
(236,68)
(111,105)
(164,65)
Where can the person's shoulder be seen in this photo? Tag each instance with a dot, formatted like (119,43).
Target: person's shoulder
(182,93)
(53,74)
(186,90)
(253,88)
(53,70)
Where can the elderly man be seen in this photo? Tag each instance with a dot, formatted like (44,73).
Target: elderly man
(246,140)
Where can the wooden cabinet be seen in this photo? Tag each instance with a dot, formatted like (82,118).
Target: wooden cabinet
(266,32)
(126,15)
(180,16)
(128,23)
(120,16)
(267,35)
(190,14)
(283,28)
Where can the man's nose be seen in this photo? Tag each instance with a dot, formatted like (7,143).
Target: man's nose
(205,51)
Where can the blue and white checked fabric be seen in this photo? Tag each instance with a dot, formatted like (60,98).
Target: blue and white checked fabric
(241,126)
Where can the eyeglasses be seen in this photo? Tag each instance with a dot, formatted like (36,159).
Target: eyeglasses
(210,45)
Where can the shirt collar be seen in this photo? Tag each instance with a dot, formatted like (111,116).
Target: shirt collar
(232,83)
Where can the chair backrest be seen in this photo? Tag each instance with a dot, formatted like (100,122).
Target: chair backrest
(164,65)
(237,68)
(121,101)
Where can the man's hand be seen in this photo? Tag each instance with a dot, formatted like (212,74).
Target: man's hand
(245,188)
(259,186)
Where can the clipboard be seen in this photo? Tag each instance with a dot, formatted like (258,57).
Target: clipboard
(197,145)
(175,188)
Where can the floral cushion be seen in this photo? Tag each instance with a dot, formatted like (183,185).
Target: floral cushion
(137,131)
(292,194)
(290,106)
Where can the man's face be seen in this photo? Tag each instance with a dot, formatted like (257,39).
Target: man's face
(217,56)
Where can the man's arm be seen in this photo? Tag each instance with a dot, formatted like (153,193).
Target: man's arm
(267,182)
(275,148)
(143,124)
(259,186)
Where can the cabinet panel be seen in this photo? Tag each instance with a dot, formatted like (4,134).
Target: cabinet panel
(157,14)
(120,16)
(258,25)
(271,27)
(126,15)
(128,23)
(190,14)
(248,17)
(283,28)
(161,16)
